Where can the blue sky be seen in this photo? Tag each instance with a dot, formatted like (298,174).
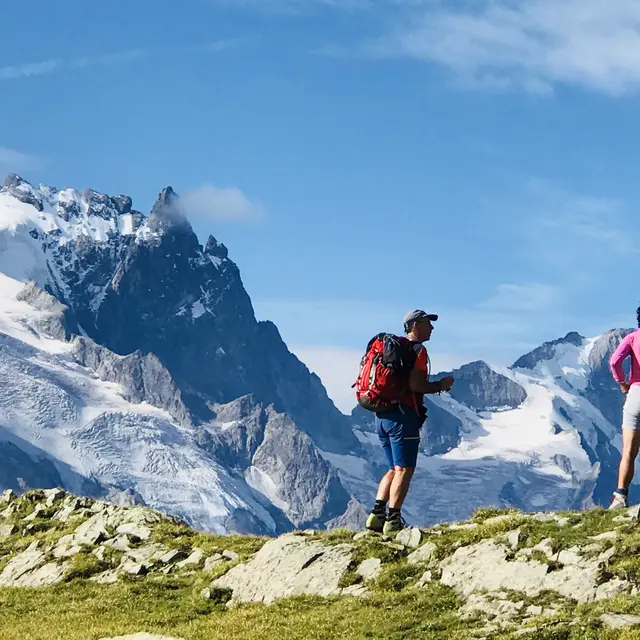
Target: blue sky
(359,157)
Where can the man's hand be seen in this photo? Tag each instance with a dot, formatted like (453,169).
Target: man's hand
(624,387)
(446,383)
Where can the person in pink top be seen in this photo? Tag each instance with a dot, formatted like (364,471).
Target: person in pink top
(629,346)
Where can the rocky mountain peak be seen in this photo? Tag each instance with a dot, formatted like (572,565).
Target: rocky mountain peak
(547,351)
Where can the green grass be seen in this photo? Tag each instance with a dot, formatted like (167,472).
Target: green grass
(84,611)
(172,605)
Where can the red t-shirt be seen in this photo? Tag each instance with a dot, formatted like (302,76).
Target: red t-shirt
(412,399)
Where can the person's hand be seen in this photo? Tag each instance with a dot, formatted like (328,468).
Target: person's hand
(624,387)
(446,383)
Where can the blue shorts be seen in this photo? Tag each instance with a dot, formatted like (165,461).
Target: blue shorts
(399,433)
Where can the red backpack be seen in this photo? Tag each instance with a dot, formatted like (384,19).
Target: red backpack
(384,372)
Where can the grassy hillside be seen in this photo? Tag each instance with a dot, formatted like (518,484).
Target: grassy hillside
(170,597)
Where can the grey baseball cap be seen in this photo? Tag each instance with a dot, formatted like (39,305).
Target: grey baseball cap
(416,315)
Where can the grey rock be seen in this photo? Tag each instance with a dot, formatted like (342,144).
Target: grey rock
(230,555)
(21,565)
(288,566)
(54,318)
(46,575)
(480,387)
(497,520)
(425,553)
(136,530)
(409,537)
(462,527)
(130,566)
(494,607)
(484,566)
(607,535)
(513,538)
(426,578)
(53,495)
(213,562)
(92,531)
(369,569)
(619,620)
(106,577)
(7,496)
(195,558)
(361,535)
(39,511)
(143,377)
(100,553)
(7,530)
(173,555)
(355,590)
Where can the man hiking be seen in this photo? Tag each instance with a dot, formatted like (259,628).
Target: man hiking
(630,346)
(399,427)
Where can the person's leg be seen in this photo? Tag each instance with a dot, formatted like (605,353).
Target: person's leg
(405,442)
(400,486)
(384,488)
(378,515)
(630,447)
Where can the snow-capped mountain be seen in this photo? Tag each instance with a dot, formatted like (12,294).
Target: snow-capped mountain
(132,361)
(132,367)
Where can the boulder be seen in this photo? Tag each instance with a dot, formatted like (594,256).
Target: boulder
(422,554)
(619,620)
(369,569)
(484,566)
(288,566)
(410,537)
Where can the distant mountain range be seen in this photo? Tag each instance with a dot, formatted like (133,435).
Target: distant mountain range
(132,367)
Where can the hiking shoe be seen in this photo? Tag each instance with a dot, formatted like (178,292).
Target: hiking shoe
(618,501)
(393,524)
(375,522)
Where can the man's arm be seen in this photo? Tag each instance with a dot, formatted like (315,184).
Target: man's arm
(418,377)
(418,383)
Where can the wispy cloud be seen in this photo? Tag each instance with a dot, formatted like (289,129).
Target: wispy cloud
(12,160)
(29,69)
(521,297)
(44,67)
(220,203)
(530,44)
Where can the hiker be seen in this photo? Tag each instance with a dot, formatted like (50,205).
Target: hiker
(399,425)
(630,346)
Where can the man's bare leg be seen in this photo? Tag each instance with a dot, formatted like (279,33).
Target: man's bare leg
(400,486)
(384,488)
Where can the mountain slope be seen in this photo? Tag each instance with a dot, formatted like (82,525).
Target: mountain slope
(133,361)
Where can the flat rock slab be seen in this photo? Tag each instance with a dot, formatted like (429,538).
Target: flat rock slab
(484,566)
(288,566)
(619,620)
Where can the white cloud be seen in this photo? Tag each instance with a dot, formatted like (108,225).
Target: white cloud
(523,297)
(531,44)
(220,203)
(12,160)
(117,58)
(29,69)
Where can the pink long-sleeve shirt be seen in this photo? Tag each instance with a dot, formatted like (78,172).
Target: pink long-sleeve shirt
(629,346)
